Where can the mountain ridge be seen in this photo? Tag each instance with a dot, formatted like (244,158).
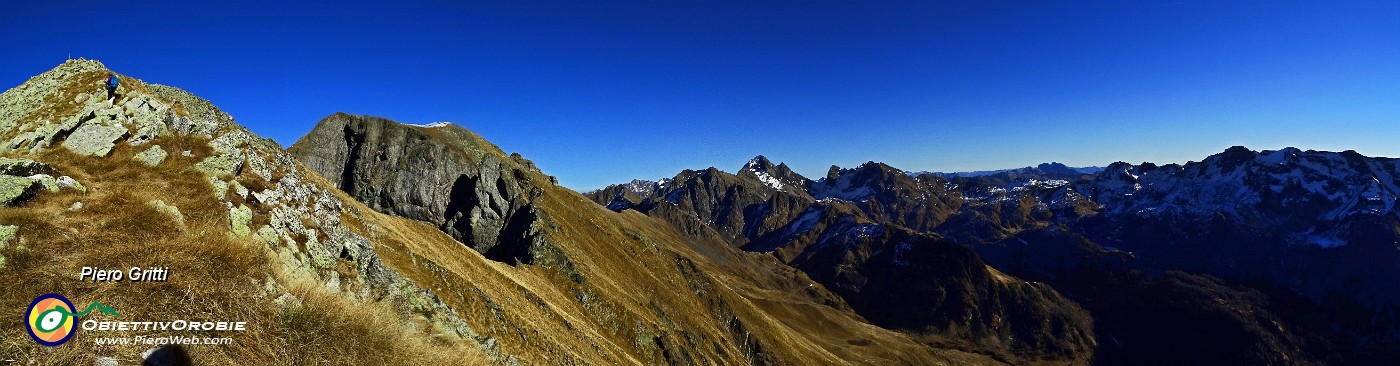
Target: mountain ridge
(1286,223)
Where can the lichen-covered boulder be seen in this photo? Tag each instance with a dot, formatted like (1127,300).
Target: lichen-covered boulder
(153,156)
(219,186)
(239,218)
(14,190)
(220,165)
(95,139)
(268,236)
(24,167)
(47,181)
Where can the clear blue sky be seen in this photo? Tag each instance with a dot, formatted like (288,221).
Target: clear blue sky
(602,92)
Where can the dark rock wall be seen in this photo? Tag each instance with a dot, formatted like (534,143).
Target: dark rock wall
(440,175)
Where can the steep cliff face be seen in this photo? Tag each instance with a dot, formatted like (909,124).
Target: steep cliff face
(438,174)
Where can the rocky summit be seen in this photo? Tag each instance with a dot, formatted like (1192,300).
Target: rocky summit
(374,242)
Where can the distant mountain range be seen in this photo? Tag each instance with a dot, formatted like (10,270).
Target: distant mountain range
(1306,241)
(1044,169)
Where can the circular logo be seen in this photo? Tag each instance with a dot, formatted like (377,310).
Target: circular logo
(49,319)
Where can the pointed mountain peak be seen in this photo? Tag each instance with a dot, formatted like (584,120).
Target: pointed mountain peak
(758,164)
(783,170)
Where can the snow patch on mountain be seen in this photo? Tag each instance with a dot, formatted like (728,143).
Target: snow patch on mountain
(805,222)
(432,125)
(769,180)
(641,187)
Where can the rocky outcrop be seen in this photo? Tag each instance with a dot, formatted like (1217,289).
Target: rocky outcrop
(443,174)
(20,179)
(152,157)
(24,167)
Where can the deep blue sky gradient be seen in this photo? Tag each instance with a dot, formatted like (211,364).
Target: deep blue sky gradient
(598,93)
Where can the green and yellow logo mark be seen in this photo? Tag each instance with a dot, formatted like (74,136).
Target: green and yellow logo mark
(51,320)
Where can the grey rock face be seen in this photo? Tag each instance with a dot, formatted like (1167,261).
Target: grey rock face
(149,117)
(444,175)
(95,139)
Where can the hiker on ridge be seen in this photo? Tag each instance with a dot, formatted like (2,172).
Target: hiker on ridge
(111,87)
